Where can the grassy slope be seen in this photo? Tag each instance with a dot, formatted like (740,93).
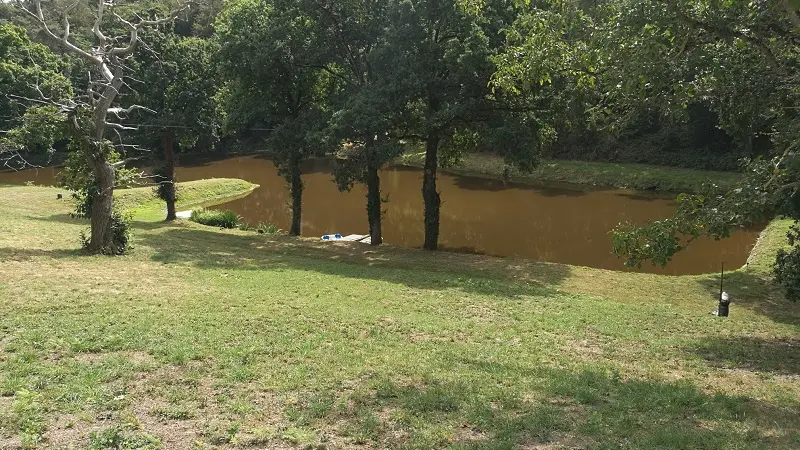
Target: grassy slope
(632,176)
(143,203)
(203,338)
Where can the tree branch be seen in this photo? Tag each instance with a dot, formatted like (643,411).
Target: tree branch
(38,16)
(726,33)
(128,50)
(120,127)
(119,112)
(96,27)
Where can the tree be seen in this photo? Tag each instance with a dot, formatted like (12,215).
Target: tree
(90,119)
(364,109)
(271,56)
(452,52)
(706,49)
(28,70)
(177,78)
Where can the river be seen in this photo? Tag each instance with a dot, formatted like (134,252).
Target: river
(557,223)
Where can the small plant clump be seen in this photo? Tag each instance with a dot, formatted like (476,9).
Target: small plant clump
(261,228)
(268,228)
(221,219)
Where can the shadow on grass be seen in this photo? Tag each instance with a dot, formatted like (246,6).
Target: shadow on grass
(754,291)
(212,250)
(25,254)
(582,409)
(61,218)
(780,357)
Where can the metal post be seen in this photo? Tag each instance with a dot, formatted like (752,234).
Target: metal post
(724,299)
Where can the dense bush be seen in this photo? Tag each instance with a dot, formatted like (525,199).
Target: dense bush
(222,219)
(787,266)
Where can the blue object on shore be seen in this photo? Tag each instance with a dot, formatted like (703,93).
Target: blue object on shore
(332,237)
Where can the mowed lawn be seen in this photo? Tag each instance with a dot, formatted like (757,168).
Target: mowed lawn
(203,338)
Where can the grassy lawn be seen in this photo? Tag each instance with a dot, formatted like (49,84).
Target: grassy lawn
(630,176)
(203,338)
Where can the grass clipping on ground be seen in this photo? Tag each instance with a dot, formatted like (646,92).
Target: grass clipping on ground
(204,338)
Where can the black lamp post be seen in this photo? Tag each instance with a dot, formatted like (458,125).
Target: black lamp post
(724,298)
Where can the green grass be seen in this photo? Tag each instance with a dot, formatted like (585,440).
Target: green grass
(204,338)
(144,204)
(631,176)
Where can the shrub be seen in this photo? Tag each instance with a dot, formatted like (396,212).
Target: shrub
(787,266)
(268,228)
(222,219)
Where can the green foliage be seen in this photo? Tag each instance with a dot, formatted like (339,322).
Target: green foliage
(29,71)
(273,57)
(787,265)
(179,83)
(76,175)
(221,219)
(28,417)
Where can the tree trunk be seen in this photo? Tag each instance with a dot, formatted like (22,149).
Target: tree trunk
(429,193)
(296,188)
(169,174)
(102,240)
(102,206)
(373,197)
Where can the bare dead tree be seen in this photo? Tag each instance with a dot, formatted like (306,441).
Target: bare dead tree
(106,58)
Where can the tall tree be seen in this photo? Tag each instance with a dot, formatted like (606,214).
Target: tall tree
(273,58)
(28,71)
(92,119)
(353,33)
(177,79)
(709,49)
(449,49)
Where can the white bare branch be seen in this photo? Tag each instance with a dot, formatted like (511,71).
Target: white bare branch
(125,161)
(63,107)
(134,37)
(38,16)
(101,38)
(119,126)
(121,113)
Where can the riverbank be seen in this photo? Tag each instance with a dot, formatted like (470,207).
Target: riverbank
(145,205)
(627,176)
(617,175)
(204,338)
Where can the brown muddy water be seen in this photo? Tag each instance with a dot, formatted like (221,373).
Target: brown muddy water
(567,224)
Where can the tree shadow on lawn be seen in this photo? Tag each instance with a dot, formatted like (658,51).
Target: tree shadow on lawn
(756,292)
(64,218)
(26,254)
(582,409)
(780,357)
(440,270)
